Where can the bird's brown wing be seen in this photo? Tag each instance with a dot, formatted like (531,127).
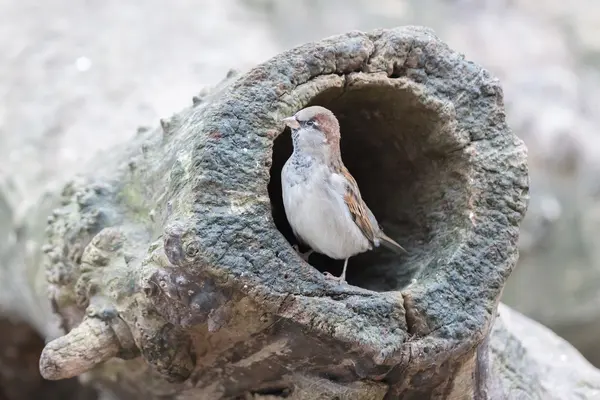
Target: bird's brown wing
(362,216)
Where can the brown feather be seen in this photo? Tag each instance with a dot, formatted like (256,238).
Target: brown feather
(362,215)
(391,244)
(357,207)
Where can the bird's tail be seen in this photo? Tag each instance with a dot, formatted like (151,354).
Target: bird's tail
(391,244)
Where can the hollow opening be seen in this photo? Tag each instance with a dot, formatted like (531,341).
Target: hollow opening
(406,159)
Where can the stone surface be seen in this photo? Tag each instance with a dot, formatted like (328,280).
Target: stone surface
(532,362)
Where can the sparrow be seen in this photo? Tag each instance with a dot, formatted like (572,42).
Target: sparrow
(322,200)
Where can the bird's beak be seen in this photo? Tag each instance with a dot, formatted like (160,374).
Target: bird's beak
(291,122)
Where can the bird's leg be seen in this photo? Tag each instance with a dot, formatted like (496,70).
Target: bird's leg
(342,277)
(303,255)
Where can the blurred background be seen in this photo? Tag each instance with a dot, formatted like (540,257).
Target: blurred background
(80,76)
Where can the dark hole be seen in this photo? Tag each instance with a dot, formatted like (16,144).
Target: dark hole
(276,391)
(409,174)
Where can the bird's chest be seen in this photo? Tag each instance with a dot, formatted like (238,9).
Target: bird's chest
(307,193)
(317,213)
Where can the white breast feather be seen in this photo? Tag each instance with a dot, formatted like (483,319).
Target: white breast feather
(317,213)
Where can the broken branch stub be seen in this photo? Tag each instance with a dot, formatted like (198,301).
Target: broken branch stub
(182,237)
(88,344)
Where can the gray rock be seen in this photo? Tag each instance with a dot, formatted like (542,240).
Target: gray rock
(531,362)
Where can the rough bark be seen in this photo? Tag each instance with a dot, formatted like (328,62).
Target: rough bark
(170,265)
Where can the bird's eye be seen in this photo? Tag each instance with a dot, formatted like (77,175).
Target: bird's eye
(311,122)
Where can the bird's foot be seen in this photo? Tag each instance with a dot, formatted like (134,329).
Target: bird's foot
(303,255)
(340,279)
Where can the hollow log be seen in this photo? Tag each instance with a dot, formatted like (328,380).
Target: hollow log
(170,263)
(177,252)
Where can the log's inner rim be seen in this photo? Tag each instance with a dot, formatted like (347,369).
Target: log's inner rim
(401,151)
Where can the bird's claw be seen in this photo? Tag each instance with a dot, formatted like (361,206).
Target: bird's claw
(303,255)
(340,279)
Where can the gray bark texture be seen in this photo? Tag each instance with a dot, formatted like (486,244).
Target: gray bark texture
(169,262)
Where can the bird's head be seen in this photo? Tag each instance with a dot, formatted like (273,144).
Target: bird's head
(315,130)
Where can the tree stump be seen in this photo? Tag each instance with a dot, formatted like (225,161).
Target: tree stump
(173,257)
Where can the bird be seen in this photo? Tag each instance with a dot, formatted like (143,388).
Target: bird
(322,200)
